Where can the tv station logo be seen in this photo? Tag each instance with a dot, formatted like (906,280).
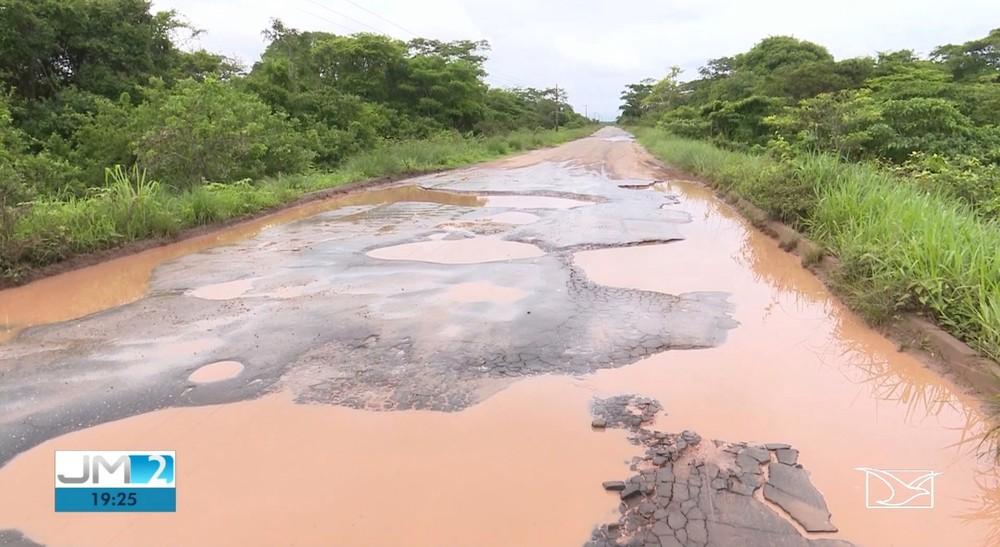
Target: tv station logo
(116,481)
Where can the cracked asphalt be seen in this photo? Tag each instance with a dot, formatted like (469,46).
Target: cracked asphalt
(309,307)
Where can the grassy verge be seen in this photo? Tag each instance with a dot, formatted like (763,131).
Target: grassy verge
(130,207)
(902,249)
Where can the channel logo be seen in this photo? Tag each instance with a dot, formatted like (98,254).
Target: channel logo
(899,488)
(116,481)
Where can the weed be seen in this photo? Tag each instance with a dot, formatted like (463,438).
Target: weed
(811,255)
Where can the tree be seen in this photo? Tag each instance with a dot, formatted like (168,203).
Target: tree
(848,123)
(780,51)
(743,120)
(633,97)
(916,79)
(664,94)
(211,131)
(470,51)
(885,108)
(106,48)
(973,58)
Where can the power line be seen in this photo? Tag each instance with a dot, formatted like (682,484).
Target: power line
(502,76)
(348,17)
(400,27)
(331,21)
(505,80)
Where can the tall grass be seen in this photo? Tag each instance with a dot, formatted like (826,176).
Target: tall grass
(131,207)
(910,249)
(901,248)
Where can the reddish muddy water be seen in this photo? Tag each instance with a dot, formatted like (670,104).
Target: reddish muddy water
(534,202)
(483,291)
(216,372)
(518,469)
(513,217)
(458,251)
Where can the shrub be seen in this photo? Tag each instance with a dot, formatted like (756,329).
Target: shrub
(209,130)
(962,177)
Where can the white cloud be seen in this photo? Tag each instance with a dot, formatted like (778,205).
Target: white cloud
(593,48)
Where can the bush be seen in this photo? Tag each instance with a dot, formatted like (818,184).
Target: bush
(105,138)
(962,177)
(209,130)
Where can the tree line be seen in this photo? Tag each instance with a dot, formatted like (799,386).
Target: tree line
(90,84)
(934,121)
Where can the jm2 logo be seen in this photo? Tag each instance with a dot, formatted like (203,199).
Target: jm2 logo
(115,481)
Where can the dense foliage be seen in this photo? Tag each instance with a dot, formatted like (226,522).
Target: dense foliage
(933,121)
(88,85)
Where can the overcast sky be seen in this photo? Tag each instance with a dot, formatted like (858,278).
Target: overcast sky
(593,48)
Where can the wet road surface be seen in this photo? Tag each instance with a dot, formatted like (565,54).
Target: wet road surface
(465,358)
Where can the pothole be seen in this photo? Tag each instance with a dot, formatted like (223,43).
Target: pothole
(473,250)
(534,202)
(513,217)
(483,227)
(216,372)
(483,291)
(223,291)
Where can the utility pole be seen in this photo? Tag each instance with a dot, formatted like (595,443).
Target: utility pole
(586,112)
(558,107)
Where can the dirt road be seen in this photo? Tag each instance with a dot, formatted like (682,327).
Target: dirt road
(464,359)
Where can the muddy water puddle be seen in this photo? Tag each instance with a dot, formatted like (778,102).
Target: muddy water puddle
(216,372)
(473,250)
(522,468)
(124,280)
(802,369)
(516,218)
(483,291)
(223,291)
(534,202)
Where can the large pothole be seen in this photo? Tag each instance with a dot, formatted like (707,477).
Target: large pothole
(473,250)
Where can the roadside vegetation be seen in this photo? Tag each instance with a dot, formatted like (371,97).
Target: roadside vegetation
(111,133)
(131,206)
(892,163)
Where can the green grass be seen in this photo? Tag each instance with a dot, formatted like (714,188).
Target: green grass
(902,248)
(130,207)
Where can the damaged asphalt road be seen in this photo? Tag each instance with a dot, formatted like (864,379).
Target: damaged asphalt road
(306,307)
(434,296)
